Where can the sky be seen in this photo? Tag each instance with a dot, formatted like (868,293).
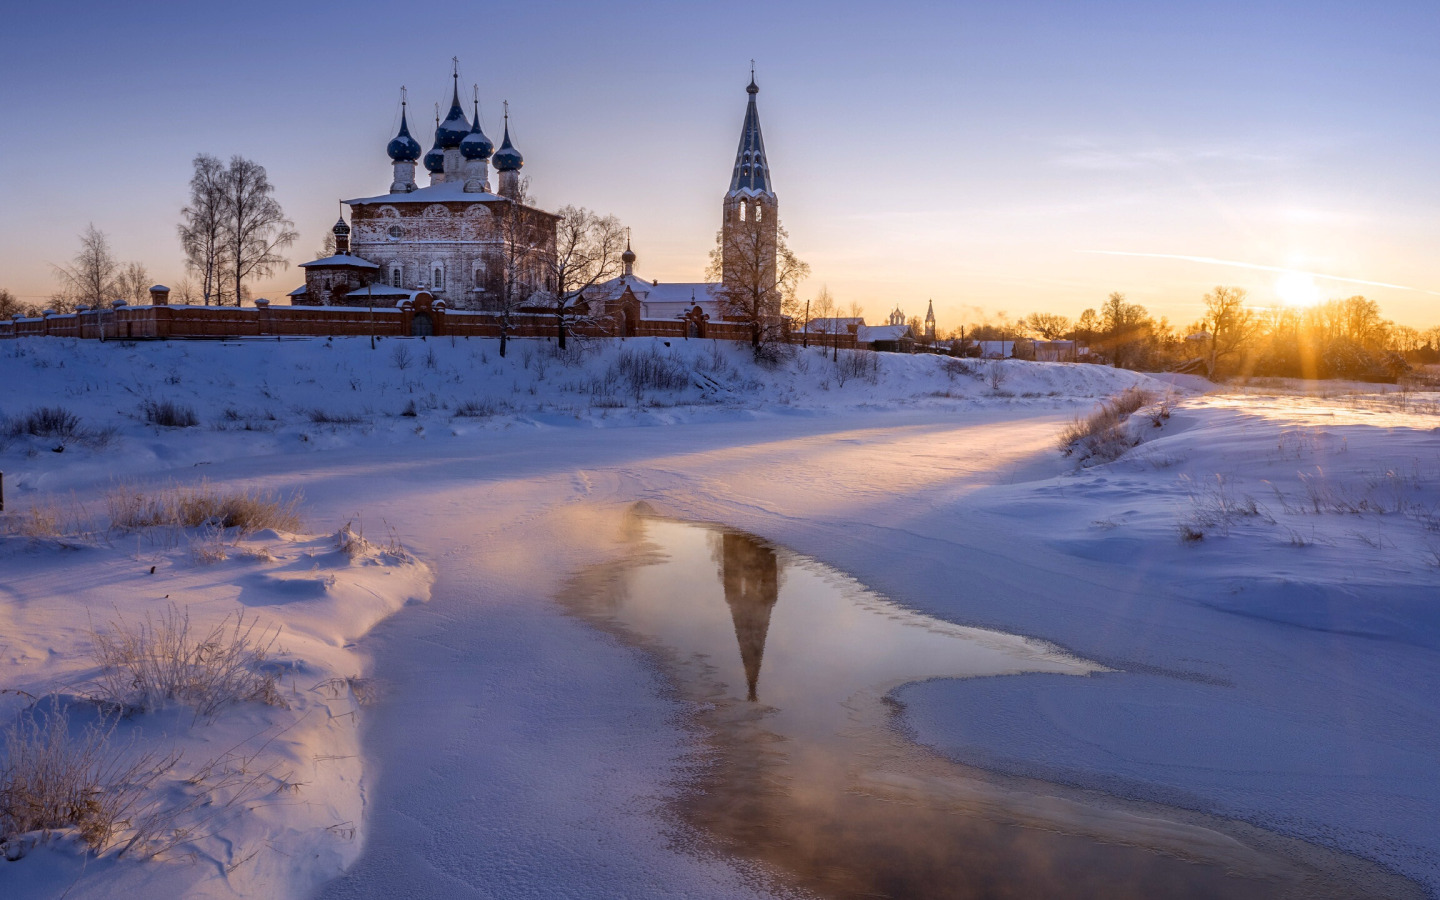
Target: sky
(997,159)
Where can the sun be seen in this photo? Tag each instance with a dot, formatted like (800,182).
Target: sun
(1297,289)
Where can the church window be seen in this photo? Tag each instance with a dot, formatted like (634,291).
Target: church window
(742,210)
(395,277)
(396,232)
(758,212)
(439,282)
(479,276)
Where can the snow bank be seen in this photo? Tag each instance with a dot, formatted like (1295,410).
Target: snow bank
(285,784)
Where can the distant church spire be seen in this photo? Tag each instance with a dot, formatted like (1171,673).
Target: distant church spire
(930,322)
(752,171)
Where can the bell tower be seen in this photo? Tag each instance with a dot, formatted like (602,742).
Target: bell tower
(751,210)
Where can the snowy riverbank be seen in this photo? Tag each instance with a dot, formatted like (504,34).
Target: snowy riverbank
(1274,670)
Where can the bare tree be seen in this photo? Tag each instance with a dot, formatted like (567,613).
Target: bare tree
(327,246)
(823,308)
(1127,327)
(253,227)
(132,282)
(517,226)
(587,252)
(91,276)
(1230,324)
(755,274)
(1049,326)
(202,229)
(184,293)
(10,305)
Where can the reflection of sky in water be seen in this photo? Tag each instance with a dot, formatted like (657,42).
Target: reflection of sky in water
(810,637)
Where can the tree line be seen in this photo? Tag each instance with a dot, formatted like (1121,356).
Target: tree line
(1342,338)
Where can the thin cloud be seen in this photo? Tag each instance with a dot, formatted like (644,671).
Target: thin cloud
(1257,267)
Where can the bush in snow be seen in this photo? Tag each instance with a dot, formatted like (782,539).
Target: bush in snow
(169,414)
(202,505)
(52,779)
(1101,437)
(160,661)
(649,369)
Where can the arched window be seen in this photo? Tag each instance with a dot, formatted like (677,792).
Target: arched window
(396,277)
(438,284)
(742,210)
(479,276)
(759,210)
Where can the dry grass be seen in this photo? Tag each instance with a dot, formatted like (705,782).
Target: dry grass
(202,505)
(169,414)
(1101,437)
(150,665)
(52,779)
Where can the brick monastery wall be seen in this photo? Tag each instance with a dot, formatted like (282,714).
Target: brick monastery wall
(163,322)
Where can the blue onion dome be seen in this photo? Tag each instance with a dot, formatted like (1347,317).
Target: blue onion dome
(403,148)
(435,159)
(476,145)
(507,158)
(456,126)
(341,228)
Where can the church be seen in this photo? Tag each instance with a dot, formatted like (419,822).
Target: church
(465,245)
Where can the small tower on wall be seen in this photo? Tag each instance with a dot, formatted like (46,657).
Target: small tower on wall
(342,237)
(751,210)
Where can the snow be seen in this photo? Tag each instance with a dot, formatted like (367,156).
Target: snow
(1278,671)
(345,259)
(444,192)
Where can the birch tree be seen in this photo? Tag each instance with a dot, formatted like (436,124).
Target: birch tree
(91,276)
(253,226)
(202,227)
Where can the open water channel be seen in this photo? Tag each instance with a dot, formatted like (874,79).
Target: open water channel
(789,664)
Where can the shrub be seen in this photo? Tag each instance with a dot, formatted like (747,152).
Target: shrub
(47,421)
(51,779)
(202,505)
(476,409)
(168,414)
(150,665)
(321,417)
(650,369)
(1101,437)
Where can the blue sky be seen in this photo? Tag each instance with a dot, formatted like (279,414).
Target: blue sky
(967,153)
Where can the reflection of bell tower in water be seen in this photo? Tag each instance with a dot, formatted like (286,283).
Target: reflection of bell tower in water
(750,572)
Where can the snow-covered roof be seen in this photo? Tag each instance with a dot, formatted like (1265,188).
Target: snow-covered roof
(834,324)
(444,192)
(381,291)
(301,291)
(867,334)
(662,292)
(342,260)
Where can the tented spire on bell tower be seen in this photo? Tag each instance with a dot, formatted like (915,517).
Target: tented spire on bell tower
(752,170)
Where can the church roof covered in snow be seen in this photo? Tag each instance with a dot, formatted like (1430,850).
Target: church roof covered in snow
(868,334)
(444,192)
(666,299)
(341,260)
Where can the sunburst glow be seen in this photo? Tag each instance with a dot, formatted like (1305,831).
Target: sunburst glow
(1297,289)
